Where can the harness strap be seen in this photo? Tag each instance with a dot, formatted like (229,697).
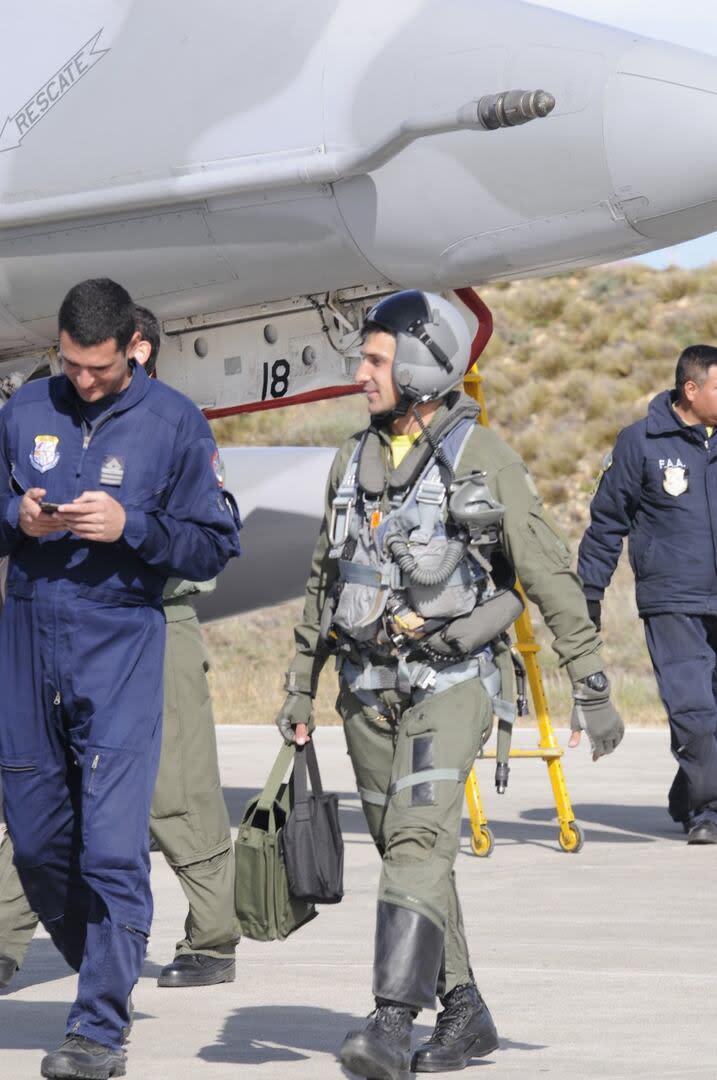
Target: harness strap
(389,576)
(343,505)
(430,497)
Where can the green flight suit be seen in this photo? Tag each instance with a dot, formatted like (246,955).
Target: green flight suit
(188,819)
(396,735)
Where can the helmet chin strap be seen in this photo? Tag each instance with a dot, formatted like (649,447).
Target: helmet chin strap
(399,409)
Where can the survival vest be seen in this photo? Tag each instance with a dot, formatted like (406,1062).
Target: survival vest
(405,568)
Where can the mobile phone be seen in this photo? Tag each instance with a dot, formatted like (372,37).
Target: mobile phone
(48,507)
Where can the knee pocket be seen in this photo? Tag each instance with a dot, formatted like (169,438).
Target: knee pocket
(27,809)
(115,808)
(408,845)
(439,742)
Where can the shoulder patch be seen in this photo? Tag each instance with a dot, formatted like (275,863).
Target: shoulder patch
(606,463)
(218,468)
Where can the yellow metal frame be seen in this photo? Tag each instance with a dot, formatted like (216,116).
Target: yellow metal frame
(570,836)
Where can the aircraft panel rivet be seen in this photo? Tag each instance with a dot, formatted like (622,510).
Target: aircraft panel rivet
(201,346)
(271,334)
(308,356)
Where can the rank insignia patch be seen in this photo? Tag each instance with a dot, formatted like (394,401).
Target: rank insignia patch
(674,479)
(112,471)
(46,453)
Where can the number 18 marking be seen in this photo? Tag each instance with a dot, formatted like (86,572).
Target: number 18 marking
(275,382)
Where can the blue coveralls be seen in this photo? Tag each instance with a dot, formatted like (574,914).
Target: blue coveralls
(81,662)
(660,489)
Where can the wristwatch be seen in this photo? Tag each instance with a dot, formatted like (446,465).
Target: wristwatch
(598,682)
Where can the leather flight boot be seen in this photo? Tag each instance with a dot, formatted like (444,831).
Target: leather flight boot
(197,969)
(381,1050)
(464,1030)
(79,1058)
(8,967)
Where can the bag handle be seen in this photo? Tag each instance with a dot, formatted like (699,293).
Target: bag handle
(275,778)
(306,758)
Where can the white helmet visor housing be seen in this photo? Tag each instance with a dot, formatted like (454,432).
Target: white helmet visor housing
(432,343)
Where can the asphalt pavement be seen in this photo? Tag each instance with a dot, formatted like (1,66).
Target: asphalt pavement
(596,965)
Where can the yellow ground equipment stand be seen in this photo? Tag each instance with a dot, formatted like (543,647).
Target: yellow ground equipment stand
(570,835)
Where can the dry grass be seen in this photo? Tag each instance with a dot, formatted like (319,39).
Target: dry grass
(573,359)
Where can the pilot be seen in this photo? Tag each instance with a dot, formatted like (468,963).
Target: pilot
(107,490)
(659,486)
(189,819)
(429,516)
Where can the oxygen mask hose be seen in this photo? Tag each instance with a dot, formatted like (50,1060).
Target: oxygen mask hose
(400,551)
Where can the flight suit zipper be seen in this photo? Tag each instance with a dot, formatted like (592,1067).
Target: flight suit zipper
(93,774)
(87,437)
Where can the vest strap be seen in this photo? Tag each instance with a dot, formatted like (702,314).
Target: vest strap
(426,776)
(373,798)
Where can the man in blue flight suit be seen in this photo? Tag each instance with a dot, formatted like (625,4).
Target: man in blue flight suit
(107,487)
(659,486)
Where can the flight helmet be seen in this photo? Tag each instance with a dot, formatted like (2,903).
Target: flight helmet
(433,343)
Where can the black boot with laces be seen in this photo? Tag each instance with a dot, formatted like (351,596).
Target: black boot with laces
(80,1058)
(464,1030)
(381,1050)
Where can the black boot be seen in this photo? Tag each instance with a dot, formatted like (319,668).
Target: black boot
(381,1050)
(79,1058)
(464,1030)
(198,969)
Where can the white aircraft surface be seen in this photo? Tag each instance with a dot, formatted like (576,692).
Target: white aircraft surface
(258,174)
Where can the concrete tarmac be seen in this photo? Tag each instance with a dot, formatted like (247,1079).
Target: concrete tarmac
(598,965)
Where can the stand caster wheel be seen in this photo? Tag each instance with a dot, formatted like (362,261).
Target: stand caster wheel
(571,838)
(483,846)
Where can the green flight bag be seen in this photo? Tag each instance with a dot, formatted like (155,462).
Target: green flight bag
(264,906)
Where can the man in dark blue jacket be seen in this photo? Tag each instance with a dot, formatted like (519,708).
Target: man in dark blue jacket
(107,487)
(659,487)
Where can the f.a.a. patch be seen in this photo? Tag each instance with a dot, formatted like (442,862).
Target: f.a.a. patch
(675,479)
(46,453)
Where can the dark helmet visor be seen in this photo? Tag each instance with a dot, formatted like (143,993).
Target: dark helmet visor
(400,313)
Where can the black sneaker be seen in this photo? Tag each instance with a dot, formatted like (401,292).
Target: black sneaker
(79,1058)
(197,969)
(704,833)
(381,1050)
(464,1030)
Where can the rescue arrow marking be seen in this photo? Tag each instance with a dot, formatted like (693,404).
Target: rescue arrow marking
(29,116)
